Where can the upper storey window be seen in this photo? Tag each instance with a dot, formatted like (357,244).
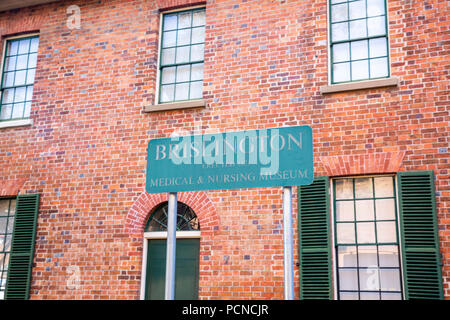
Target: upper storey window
(19,68)
(182,56)
(358,40)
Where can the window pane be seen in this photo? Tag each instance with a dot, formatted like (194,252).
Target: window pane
(5,113)
(369,279)
(378,68)
(376,26)
(378,47)
(360,50)
(370,296)
(386,232)
(4,208)
(357,9)
(183,73)
(19,95)
(391,296)
(364,210)
(8,79)
(388,256)
(167,93)
(27,110)
(339,31)
(29,93)
(363,188)
(390,279)
(30,76)
(197,52)
(347,256)
(198,35)
(341,72)
(182,54)
(3,222)
(196,90)
(360,70)
(348,296)
(32,60)
(168,56)
(199,18)
(344,189)
(367,256)
(169,39)
(348,279)
(184,20)
(345,211)
(182,91)
(168,75)
(22,62)
(365,232)
(34,44)
(13,46)
(358,29)
(10,63)
(7,243)
(385,209)
(170,22)
(197,72)
(12,207)
(24,46)
(341,52)
(345,233)
(8,96)
(375,7)
(339,12)
(18,110)
(384,187)
(20,78)
(10,225)
(184,37)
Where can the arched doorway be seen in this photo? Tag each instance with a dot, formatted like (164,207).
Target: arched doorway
(187,254)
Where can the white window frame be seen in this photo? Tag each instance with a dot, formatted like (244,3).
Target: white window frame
(158,67)
(159,235)
(333,231)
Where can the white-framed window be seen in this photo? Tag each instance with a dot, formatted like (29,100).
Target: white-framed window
(18,73)
(181,55)
(358,40)
(366,239)
(7,214)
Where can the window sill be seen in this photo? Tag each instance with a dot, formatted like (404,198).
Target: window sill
(16,123)
(369,84)
(176,106)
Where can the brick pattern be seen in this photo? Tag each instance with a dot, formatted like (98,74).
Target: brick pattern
(373,163)
(265,62)
(11,188)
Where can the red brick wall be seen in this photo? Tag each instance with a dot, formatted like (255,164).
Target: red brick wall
(265,61)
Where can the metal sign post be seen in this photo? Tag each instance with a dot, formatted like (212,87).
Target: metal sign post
(171,246)
(288,244)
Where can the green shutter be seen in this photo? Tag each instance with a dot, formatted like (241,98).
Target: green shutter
(419,234)
(314,240)
(22,247)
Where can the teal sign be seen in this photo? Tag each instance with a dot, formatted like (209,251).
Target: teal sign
(232,160)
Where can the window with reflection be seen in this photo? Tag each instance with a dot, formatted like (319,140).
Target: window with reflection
(19,69)
(366,239)
(358,40)
(182,55)
(186,218)
(7,213)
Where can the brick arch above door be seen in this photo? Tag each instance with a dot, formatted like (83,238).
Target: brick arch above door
(199,201)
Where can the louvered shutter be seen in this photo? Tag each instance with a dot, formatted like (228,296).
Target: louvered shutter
(419,234)
(22,247)
(314,240)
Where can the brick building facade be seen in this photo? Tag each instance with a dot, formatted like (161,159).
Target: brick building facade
(266,64)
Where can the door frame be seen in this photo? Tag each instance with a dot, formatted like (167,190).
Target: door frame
(159,235)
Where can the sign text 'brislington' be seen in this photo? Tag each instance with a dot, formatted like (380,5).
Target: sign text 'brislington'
(231,160)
